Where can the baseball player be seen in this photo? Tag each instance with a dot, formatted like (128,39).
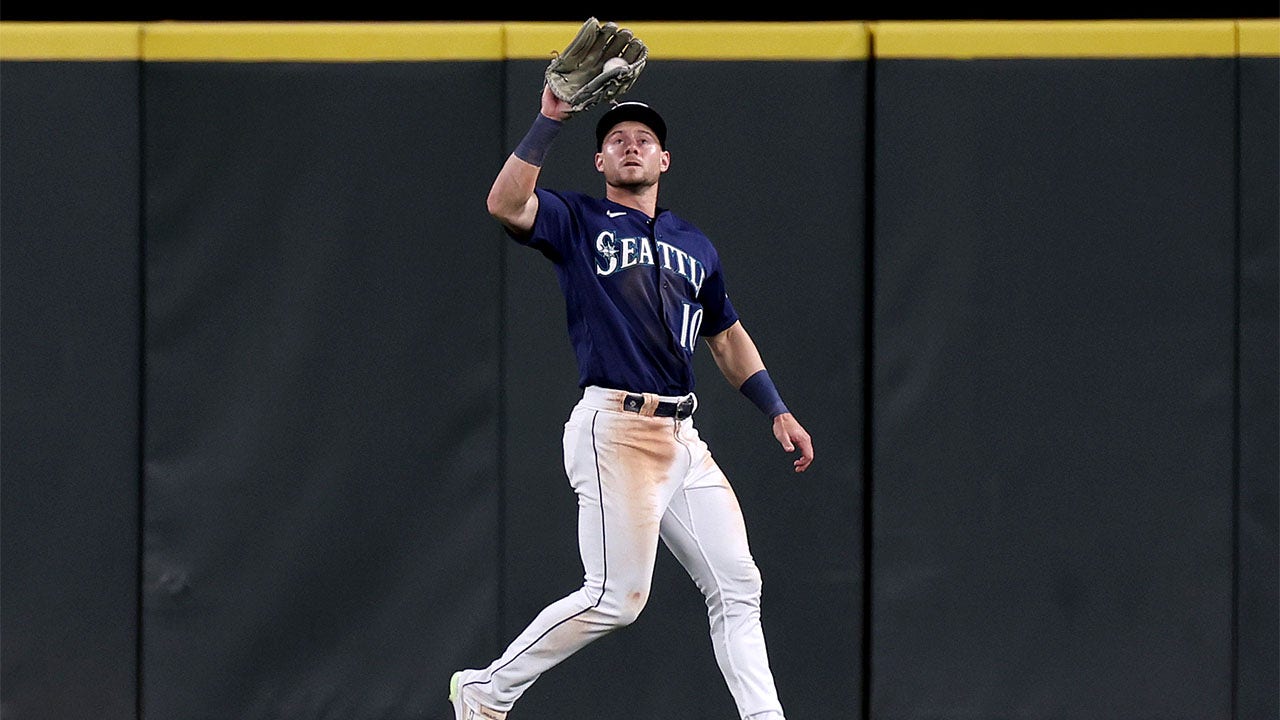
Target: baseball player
(641,285)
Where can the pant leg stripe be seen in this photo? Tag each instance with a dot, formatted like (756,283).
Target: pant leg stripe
(604,557)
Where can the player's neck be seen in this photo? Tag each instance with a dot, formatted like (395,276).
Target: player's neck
(646,200)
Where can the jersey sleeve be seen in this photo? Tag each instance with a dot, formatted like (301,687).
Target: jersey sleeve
(718,314)
(552,228)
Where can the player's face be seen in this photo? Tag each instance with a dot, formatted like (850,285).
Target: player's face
(631,156)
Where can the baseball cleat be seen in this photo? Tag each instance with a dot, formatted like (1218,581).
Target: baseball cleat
(463,710)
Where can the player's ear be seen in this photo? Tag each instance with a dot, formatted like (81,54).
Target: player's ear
(664,161)
(599,162)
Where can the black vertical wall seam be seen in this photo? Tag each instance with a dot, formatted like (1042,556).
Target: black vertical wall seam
(868,372)
(1235,387)
(500,624)
(139,596)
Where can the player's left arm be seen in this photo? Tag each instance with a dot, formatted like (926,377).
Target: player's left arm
(739,361)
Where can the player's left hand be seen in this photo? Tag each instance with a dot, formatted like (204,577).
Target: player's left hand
(792,437)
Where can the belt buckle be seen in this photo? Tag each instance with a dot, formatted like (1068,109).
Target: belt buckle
(684,408)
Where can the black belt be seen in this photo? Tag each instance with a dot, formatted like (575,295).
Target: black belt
(680,410)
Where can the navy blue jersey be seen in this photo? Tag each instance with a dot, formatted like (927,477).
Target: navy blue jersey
(638,291)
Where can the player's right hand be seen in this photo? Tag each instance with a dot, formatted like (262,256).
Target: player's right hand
(552,106)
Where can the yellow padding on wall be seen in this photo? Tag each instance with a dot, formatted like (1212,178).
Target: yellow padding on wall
(1260,38)
(784,41)
(707,40)
(338,42)
(1054,39)
(69,41)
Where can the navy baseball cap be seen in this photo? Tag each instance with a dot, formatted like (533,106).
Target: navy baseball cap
(638,111)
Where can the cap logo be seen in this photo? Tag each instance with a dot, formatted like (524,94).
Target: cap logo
(631,110)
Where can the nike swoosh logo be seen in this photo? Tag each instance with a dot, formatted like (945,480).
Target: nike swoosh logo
(612,214)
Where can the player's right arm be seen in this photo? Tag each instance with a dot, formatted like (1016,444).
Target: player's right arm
(512,200)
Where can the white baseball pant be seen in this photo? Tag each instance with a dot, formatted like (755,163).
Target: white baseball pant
(638,478)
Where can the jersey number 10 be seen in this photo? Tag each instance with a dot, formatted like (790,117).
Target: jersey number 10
(690,323)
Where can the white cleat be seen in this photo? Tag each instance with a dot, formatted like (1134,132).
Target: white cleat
(464,709)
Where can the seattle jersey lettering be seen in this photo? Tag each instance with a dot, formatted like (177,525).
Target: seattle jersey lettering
(614,254)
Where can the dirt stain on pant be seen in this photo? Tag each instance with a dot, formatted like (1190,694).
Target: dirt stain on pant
(645,453)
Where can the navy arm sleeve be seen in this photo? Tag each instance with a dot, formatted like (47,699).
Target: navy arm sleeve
(718,314)
(552,229)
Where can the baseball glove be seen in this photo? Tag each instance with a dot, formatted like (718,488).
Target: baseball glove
(579,76)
